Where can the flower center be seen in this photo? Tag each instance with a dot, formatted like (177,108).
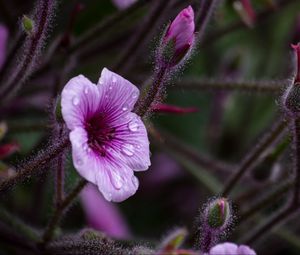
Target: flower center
(99,134)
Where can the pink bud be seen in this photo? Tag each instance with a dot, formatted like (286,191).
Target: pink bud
(179,37)
(166,108)
(8,149)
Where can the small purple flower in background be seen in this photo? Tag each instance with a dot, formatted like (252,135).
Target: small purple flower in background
(102,215)
(109,142)
(231,249)
(123,4)
(3,42)
(179,38)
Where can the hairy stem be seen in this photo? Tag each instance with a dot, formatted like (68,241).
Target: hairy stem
(58,213)
(129,54)
(266,201)
(32,166)
(254,154)
(228,85)
(144,104)
(100,28)
(296,160)
(33,46)
(205,14)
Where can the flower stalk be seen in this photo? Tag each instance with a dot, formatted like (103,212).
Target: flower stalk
(32,166)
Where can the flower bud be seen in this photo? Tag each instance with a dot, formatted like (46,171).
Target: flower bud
(173,241)
(245,10)
(218,214)
(178,39)
(27,24)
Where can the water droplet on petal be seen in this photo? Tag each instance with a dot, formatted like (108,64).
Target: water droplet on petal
(128,149)
(133,126)
(101,82)
(79,162)
(135,181)
(138,146)
(116,179)
(125,108)
(114,79)
(108,196)
(135,95)
(75,100)
(86,90)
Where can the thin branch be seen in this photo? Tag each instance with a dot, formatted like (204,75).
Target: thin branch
(100,28)
(31,167)
(54,221)
(33,46)
(229,85)
(129,54)
(254,154)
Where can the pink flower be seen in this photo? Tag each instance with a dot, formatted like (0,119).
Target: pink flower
(109,142)
(123,4)
(102,215)
(231,249)
(179,37)
(3,42)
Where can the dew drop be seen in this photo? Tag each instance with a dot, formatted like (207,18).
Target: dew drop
(125,108)
(116,180)
(75,100)
(133,126)
(138,146)
(114,79)
(79,162)
(128,149)
(86,90)
(101,82)
(135,95)
(135,181)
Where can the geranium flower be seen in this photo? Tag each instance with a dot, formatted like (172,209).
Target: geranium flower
(231,249)
(109,142)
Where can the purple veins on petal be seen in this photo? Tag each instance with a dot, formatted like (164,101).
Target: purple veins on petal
(109,141)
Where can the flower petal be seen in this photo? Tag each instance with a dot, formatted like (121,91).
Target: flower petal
(84,160)
(79,100)
(102,215)
(132,142)
(224,249)
(118,95)
(245,250)
(116,181)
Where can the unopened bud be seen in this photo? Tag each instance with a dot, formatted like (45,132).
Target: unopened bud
(218,214)
(173,241)
(27,24)
(245,10)
(178,39)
